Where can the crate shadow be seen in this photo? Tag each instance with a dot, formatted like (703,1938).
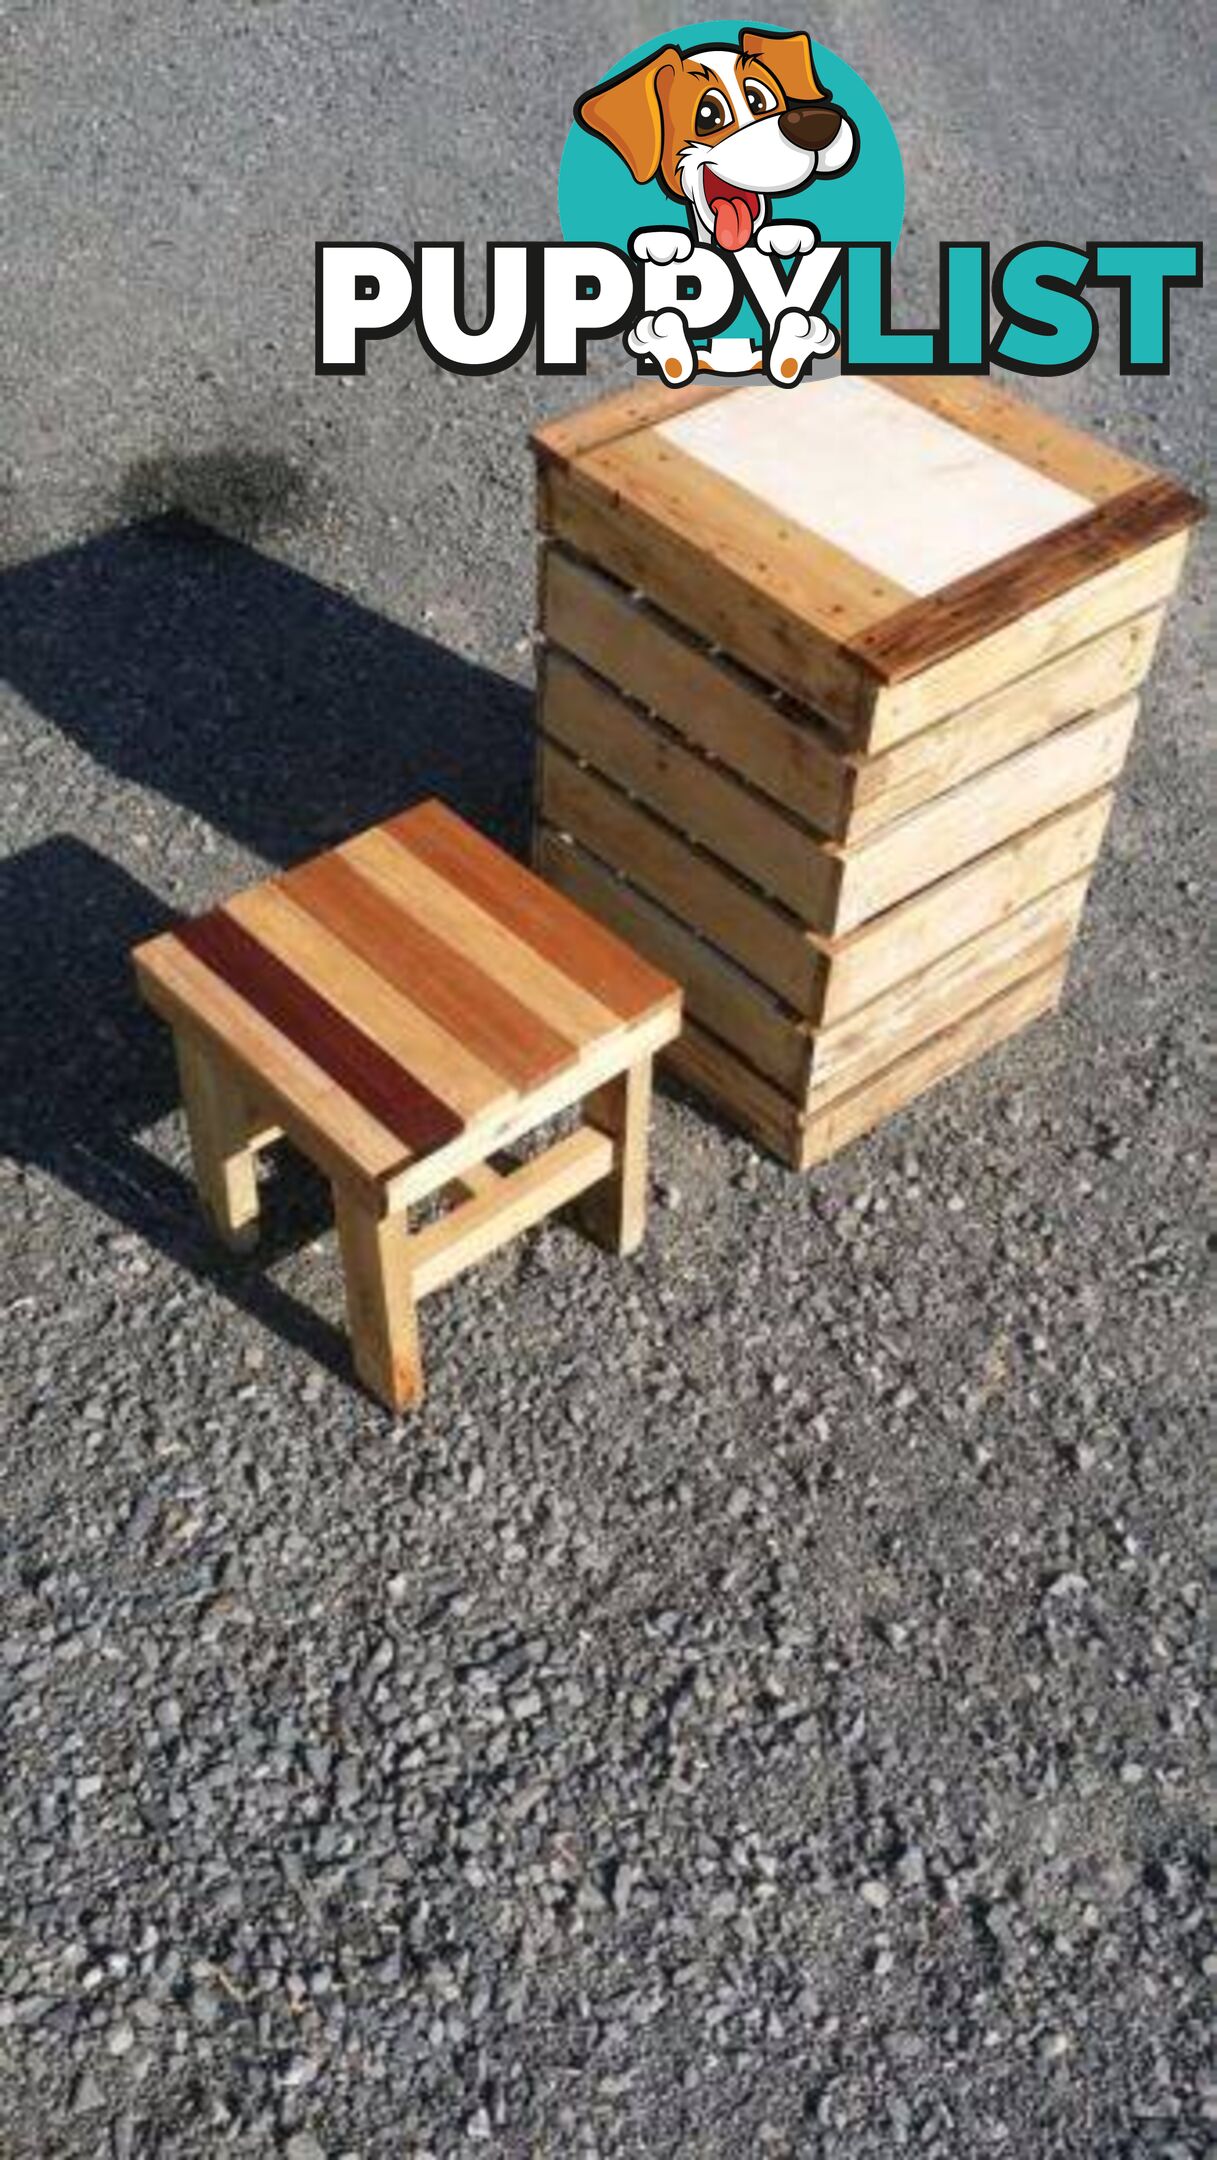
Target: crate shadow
(274,708)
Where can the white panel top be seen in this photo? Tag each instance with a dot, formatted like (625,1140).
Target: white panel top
(895,486)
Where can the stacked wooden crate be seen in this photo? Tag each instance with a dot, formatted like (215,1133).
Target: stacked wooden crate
(835,686)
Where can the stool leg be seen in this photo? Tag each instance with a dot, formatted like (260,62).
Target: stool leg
(381,1313)
(218,1120)
(614,1212)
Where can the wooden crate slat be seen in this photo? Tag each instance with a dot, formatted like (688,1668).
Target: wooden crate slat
(799,570)
(977,816)
(645,403)
(829,886)
(823,980)
(903,941)
(814,1065)
(900,708)
(716,706)
(717,992)
(926,765)
(922,1004)
(703,695)
(910,641)
(712,1069)
(878,1097)
(752,929)
(710,598)
(590,719)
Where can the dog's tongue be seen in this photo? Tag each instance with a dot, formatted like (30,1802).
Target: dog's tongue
(732,222)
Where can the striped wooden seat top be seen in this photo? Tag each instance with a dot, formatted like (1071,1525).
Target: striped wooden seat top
(410,993)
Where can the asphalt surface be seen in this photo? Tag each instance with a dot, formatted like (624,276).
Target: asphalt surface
(758,1706)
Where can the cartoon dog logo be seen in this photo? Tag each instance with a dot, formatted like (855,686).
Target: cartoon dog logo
(725,129)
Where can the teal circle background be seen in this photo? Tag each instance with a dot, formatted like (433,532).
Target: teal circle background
(600,201)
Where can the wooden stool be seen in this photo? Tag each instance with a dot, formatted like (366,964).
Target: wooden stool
(402,1008)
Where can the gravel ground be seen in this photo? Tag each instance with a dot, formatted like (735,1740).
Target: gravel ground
(757,1707)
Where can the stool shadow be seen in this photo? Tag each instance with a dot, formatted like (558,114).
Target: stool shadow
(84,1071)
(278,710)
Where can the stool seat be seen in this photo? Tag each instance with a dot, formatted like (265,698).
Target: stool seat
(403,1007)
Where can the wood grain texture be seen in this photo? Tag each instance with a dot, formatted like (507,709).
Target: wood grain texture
(479,940)
(879,1097)
(920,1005)
(500,1030)
(219,1125)
(821,978)
(901,709)
(828,886)
(355,1062)
(703,695)
(813,1065)
(1023,431)
(381,1317)
(532,911)
(323,1120)
(982,812)
(685,578)
(717,993)
(414,1181)
(407,1033)
(715,1071)
(684,878)
(590,427)
(904,941)
(913,638)
(798,569)
(1096,673)
(746,829)
(505,1208)
(614,1212)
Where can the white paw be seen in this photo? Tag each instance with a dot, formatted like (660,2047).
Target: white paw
(664,245)
(664,338)
(787,239)
(798,339)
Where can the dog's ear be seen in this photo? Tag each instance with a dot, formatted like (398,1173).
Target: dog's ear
(627,112)
(788,60)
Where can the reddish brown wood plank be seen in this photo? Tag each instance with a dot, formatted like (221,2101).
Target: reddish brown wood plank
(419,1119)
(560,932)
(492,1023)
(961,614)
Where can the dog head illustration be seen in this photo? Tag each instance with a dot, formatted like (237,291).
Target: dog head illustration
(724,128)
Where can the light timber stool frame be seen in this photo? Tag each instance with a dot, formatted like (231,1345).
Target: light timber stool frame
(402,1009)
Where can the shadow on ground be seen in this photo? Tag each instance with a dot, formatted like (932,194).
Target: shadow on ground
(84,1072)
(274,708)
(277,711)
